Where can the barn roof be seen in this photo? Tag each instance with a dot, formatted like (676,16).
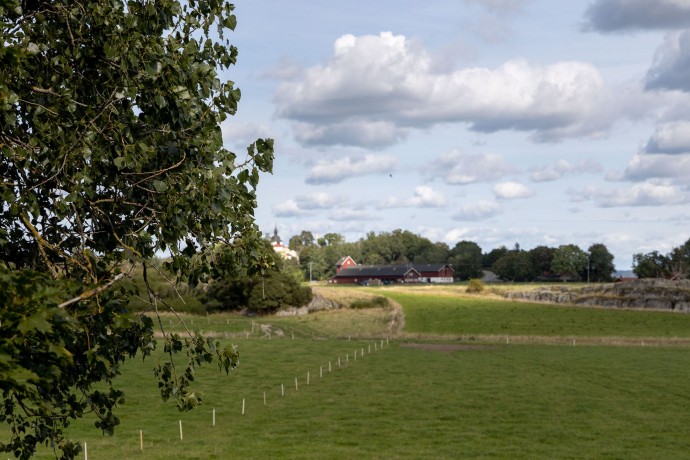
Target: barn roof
(376,270)
(431,267)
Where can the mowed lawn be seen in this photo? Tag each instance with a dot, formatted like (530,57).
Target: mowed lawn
(424,399)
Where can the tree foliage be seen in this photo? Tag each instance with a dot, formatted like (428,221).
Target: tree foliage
(569,261)
(466,258)
(110,152)
(260,294)
(515,265)
(600,264)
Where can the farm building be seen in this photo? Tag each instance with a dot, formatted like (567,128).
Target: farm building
(348,272)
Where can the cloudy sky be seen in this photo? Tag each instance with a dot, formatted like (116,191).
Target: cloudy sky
(535,122)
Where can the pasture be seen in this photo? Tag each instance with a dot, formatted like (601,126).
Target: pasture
(467,377)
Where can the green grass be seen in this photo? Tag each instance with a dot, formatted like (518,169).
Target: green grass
(400,402)
(431,314)
(465,400)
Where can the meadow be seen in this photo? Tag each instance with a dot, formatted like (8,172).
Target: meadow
(465,377)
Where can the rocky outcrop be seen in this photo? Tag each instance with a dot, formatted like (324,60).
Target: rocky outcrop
(637,294)
(317,303)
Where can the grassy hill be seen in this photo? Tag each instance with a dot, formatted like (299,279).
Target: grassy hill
(447,385)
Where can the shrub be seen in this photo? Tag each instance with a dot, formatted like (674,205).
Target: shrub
(277,290)
(475,286)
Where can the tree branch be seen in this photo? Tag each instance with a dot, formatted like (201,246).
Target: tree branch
(93,292)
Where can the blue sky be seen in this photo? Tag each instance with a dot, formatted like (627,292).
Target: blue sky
(495,121)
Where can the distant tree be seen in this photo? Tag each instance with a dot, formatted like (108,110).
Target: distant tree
(331,239)
(490,258)
(514,266)
(569,261)
(600,264)
(466,258)
(432,253)
(542,258)
(651,265)
(312,263)
(298,242)
(680,260)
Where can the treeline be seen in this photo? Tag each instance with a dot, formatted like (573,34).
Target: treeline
(318,257)
(674,265)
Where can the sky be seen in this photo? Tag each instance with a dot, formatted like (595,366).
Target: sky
(502,122)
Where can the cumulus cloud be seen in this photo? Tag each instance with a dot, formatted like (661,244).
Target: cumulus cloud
(288,208)
(375,89)
(642,194)
(338,169)
(642,167)
(349,215)
(319,200)
(424,197)
(670,137)
(304,204)
(631,15)
(562,167)
(480,210)
(671,68)
(511,191)
(457,168)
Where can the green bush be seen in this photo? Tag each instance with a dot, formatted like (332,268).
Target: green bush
(373,302)
(475,286)
(266,294)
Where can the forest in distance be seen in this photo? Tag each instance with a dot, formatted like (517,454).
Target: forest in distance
(317,258)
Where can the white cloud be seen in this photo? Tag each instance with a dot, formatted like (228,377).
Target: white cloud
(563,167)
(457,168)
(338,169)
(627,15)
(288,208)
(305,204)
(319,200)
(424,197)
(670,137)
(658,166)
(671,68)
(642,194)
(350,215)
(375,88)
(480,210)
(511,191)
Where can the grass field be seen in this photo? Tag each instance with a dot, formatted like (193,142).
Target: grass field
(448,386)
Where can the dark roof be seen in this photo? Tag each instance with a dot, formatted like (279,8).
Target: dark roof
(430,267)
(376,270)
